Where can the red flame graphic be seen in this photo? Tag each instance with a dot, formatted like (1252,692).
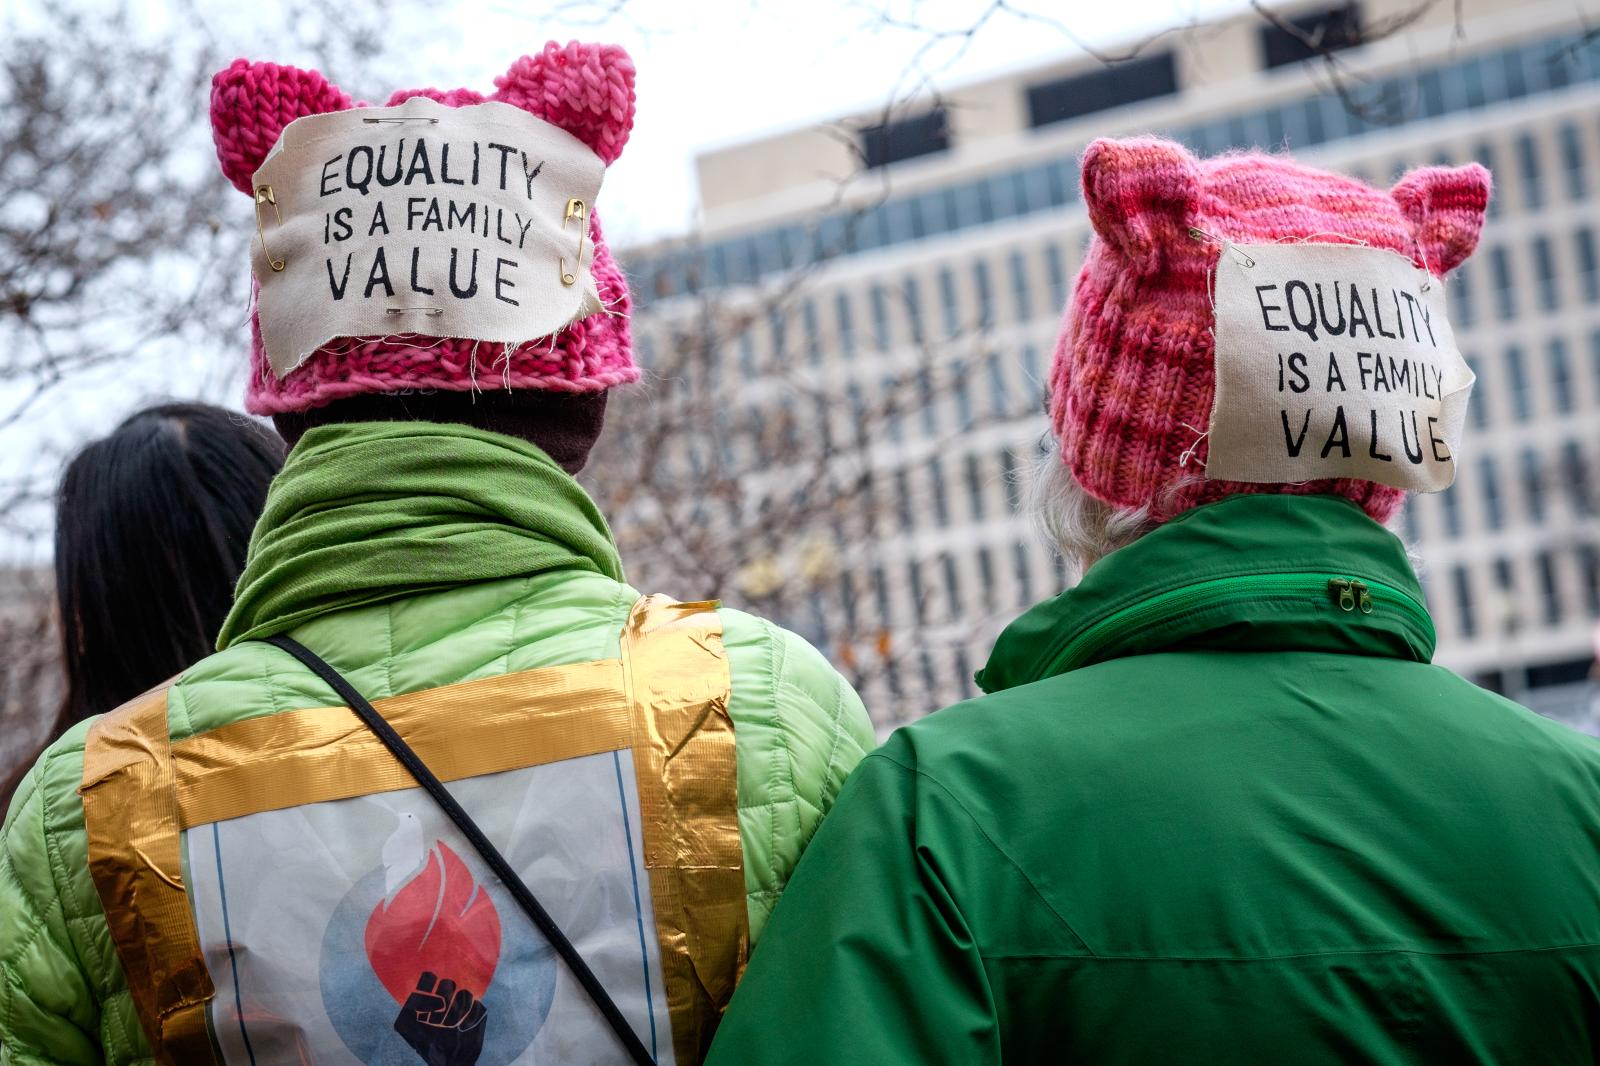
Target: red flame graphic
(441,922)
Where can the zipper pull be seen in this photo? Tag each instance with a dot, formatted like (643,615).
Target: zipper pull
(1365,595)
(1347,596)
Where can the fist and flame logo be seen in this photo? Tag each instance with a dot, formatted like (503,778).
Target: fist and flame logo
(434,943)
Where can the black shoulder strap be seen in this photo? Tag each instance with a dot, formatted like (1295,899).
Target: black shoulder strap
(491,855)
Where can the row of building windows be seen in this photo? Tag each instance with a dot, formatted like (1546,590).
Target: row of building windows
(1022,287)
(1508,392)
(1464,84)
(1544,480)
(1549,264)
(940,589)
(1557,599)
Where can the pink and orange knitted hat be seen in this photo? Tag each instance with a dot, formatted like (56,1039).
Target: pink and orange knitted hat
(1132,385)
(585,89)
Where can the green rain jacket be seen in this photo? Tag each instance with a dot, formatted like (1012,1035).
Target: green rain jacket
(411,557)
(1207,812)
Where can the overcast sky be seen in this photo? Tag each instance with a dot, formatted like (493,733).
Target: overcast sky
(716,72)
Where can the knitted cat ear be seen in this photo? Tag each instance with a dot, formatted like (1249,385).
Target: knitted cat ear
(586,89)
(251,103)
(1142,194)
(1445,206)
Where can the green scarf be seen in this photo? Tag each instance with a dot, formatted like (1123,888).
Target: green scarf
(373,511)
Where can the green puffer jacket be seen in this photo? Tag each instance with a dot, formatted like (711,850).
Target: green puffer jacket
(1217,807)
(799,728)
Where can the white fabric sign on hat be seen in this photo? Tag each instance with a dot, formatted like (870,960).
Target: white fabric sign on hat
(1334,361)
(422,219)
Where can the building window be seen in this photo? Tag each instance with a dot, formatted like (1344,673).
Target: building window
(1549,590)
(1544,264)
(1560,374)
(847,600)
(986,578)
(891,408)
(1460,289)
(999,402)
(847,329)
(1478,402)
(911,292)
(1024,573)
(930,684)
(823,420)
(952,584)
(1110,86)
(1466,618)
(1532,177)
(980,284)
(880,592)
(1575,475)
(808,326)
(902,499)
(919,594)
(1450,511)
(1505,291)
(1572,162)
(906,138)
(858,412)
(1533,483)
(778,329)
(1589,563)
(952,308)
(1316,33)
(964,674)
(1033,377)
(1057,271)
(925,396)
(1517,384)
(1588,266)
(975,487)
(941,499)
(962,387)
(1489,488)
(1008,473)
(878,300)
(1019,287)
(747,355)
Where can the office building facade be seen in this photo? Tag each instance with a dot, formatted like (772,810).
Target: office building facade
(916,267)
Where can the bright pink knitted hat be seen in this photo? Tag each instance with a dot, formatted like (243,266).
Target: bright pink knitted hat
(585,89)
(1133,382)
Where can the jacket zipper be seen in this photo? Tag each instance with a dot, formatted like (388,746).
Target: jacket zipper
(1359,595)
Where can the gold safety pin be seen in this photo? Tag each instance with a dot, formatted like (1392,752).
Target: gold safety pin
(576,209)
(265,195)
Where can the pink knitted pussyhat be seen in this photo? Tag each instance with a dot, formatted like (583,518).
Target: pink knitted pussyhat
(585,89)
(1132,386)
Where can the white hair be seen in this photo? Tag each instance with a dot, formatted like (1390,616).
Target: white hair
(1082,529)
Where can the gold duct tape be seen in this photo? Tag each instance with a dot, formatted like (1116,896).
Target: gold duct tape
(136,861)
(678,682)
(464,730)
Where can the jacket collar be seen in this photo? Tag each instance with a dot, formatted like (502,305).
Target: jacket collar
(1248,573)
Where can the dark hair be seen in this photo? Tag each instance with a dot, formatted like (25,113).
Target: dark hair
(152,526)
(564,424)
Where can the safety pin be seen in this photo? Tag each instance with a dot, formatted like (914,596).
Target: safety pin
(1196,233)
(404,118)
(429,311)
(575,209)
(265,195)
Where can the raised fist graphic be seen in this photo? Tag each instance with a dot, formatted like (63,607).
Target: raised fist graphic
(443,1024)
